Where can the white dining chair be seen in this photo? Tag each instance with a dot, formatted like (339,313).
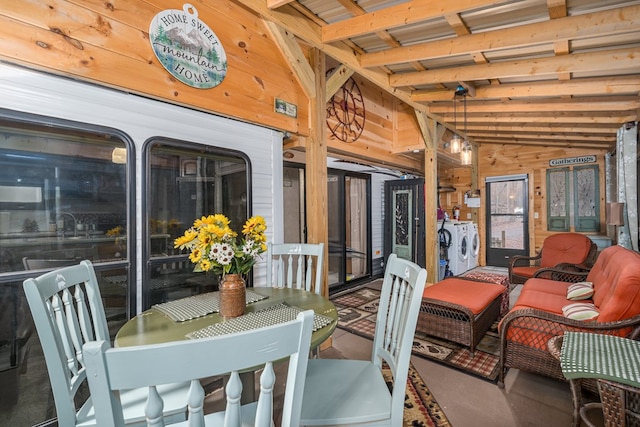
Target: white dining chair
(113,369)
(295,265)
(68,312)
(347,392)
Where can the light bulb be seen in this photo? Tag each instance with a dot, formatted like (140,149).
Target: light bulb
(466,154)
(456,144)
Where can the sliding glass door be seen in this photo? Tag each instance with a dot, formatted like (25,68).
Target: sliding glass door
(349,203)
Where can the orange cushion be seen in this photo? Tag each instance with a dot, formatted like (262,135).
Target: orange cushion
(549,286)
(616,282)
(565,247)
(476,296)
(551,303)
(525,271)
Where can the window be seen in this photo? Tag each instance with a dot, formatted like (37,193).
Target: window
(558,199)
(583,191)
(187,181)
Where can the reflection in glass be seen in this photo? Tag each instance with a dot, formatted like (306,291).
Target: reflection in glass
(63,199)
(189,181)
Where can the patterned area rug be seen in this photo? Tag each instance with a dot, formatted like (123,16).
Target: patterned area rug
(357,314)
(420,407)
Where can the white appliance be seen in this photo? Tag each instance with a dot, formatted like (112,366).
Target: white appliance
(474,246)
(458,252)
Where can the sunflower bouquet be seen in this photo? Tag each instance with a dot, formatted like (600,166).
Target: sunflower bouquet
(214,246)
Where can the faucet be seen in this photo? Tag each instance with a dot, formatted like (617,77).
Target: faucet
(75,222)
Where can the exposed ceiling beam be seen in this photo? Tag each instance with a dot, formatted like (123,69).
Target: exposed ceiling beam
(557,8)
(272,4)
(473,128)
(544,143)
(605,61)
(291,50)
(551,118)
(396,16)
(593,104)
(577,87)
(310,32)
(616,21)
(334,82)
(557,136)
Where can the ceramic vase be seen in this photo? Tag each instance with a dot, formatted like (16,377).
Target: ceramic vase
(232,296)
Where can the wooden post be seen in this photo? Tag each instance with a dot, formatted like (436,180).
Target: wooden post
(316,166)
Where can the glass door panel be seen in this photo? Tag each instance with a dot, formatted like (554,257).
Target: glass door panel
(356,228)
(507,225)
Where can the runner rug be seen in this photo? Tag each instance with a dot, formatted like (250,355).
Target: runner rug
(357,314)
(420,407)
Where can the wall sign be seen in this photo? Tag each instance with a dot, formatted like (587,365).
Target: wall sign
(187,47)
(572,161)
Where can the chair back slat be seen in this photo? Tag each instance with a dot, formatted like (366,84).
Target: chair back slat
(400,299)
(296,265)
(110,370)
(67,312)
(264,410)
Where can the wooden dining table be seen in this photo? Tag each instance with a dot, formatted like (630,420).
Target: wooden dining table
(153,326)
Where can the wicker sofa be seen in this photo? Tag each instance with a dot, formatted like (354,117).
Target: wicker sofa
(537,315)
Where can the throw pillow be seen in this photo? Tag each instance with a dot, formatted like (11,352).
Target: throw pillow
(580,291)
(580,311)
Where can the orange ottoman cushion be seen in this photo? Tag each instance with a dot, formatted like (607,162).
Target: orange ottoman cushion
(476,296)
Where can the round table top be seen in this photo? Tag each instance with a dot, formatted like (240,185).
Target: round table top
(154,327)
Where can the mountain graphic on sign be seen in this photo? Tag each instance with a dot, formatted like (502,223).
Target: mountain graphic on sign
(193,41)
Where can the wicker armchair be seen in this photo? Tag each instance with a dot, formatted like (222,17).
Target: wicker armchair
(559,251)
(525,333)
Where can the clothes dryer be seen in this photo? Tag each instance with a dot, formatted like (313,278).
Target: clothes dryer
(458,253)
(474,246)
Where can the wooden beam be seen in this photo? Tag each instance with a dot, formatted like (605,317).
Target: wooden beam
(474,128)
(273,4)
(591,104)
(576,87)
(336,80)
(559,136)
(397,16)
(557,8)
(615,21)
(316,166)
(602,61)
(428,129)
(432,248)
(292,52)
(545,143)
(296,23)
(551,118)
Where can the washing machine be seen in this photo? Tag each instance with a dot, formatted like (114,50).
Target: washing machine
(474,246)
(458,252)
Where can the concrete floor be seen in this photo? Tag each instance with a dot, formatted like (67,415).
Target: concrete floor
(527,400)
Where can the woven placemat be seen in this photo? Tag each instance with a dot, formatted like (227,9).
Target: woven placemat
(269,316)
(198,305)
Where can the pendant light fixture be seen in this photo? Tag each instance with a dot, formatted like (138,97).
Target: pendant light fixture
(456,142)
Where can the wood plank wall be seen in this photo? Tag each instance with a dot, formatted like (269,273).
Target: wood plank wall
(107,43)
(498,160)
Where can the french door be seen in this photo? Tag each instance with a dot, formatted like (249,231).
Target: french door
(507,218)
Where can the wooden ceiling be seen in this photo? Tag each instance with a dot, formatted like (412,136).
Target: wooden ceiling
(535,72)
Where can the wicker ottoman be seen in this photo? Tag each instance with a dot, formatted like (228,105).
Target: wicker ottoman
(460,310)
